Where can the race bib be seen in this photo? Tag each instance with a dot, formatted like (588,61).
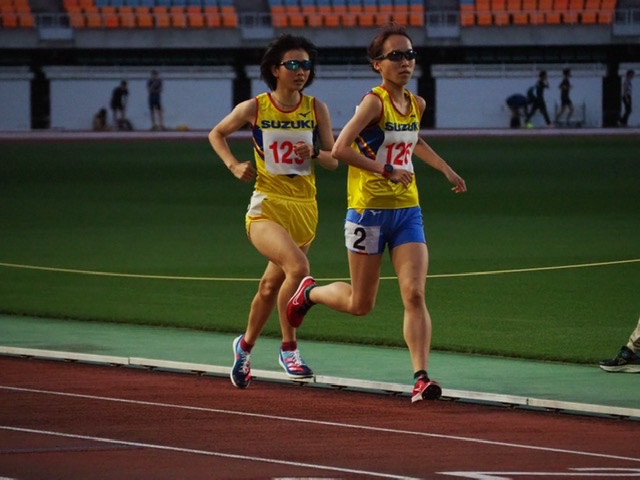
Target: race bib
(394,151)
(361,239)
(279,155)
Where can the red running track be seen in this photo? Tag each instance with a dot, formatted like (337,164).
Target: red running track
(77,421)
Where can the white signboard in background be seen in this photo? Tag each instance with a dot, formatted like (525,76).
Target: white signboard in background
(193,98)
(15,98)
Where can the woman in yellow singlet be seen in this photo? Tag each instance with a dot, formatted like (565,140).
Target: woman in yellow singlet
(291,133)
(378,144)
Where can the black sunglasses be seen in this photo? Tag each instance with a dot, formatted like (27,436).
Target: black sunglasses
(297,64)
(397,55)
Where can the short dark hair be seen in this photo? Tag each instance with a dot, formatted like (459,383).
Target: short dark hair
(566,71)
(276,50)
(375,47)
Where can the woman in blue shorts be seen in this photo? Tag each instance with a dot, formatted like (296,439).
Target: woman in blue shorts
(378,144)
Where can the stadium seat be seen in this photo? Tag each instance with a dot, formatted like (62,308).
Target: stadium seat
(9,19)
(161,18)
(212,17)
(127,18)
(400,12)
(605,17)
(382,18)
(530,8)
(552,18)
(366,19)
(178,16)
(416,13)
(229,19)
(483,13)
(520,18)
(144,18)
(467,18)
(77,20)
(94,20)
(484,19)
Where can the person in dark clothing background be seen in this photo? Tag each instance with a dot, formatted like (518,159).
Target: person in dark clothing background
(626,97)
(119,104)
(565,100)
(536,96)
(518,104)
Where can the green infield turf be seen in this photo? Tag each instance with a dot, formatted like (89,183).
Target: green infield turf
(540,259)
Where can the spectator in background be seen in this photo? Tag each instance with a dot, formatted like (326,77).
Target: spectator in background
(518,104)
(627,359)
(565,101)
(100,121)
(118,104)
(154,88)
(626,97)
(535,95)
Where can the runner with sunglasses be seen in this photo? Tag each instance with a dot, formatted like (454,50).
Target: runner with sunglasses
(378,144)
(291,133)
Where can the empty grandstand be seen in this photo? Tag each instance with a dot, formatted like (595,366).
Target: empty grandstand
(36,35)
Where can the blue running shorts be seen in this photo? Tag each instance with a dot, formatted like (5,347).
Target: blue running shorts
(368,231)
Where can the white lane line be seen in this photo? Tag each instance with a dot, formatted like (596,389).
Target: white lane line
(204,452)
(324,423)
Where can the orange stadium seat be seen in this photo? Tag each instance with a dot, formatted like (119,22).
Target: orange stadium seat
(178,17)
(212,17)
(500,14)
(94,20)
(144,18)
(77,20)
(570,17)
(9,19)
(467,15)
(70,4)
(27,21)
(229,19)
(325,12)
(605,17)
(400,12)
(530,8)
(484,18)
(482,6)
(128,20)
(416,13)
(161,17)
(195,20)
(279,20)
(520,18)
(331,19)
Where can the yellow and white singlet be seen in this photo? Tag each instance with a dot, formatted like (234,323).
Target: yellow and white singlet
(285,188)
(390,140)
